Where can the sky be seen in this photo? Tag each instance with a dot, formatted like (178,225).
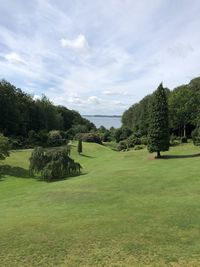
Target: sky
(98,56)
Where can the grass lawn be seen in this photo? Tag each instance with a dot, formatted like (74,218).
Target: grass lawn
(125,210)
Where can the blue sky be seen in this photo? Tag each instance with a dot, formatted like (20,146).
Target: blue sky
(98,56)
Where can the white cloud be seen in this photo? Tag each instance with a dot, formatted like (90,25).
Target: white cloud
(14,58)
(117,93)
(94,100)
(80,43)
(120,67)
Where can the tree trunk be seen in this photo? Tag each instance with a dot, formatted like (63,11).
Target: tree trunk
(158,154)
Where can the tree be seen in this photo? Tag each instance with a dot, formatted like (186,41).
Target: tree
(80,147)
(196,134)
(158,132)
(4,147)
(183,107)
(53,164)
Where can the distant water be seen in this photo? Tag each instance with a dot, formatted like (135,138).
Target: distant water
(107,122)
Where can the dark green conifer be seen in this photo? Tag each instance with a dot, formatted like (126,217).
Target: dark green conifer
(80,147)
(158,132)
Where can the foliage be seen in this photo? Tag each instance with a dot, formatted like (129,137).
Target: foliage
(122,145)
(89,137)
(184,139)
(20,114)
(184,107)
(133,140)
(122,133)
(158,132)
(4,147)
(139,147)
(174,140)
(53,164)
(196,136)
(107,136)
(55,138)
(144,140)
(80,147)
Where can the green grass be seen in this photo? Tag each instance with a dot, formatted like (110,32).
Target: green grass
(125,210)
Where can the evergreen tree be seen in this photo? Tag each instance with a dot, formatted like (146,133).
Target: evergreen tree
(80,147)
(158,132)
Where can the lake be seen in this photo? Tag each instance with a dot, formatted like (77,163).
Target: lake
(107,122)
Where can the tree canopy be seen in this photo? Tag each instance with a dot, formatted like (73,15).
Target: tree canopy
(21,113)
(184,107)
(158,132)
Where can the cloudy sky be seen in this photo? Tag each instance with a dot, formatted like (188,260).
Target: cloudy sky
(98,56)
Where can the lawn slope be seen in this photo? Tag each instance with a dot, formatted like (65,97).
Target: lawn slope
(126,209)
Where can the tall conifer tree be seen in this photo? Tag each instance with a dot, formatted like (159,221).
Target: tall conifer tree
(158,132)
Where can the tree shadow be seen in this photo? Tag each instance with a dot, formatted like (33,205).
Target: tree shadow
(180,156)
(14,171)
(87,156)
(68,177)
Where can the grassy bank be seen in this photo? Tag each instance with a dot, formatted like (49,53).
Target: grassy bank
(126,209)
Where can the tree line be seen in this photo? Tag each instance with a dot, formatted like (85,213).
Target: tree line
(183,105)
(20,113)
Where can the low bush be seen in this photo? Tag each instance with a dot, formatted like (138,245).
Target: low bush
(143,140)
(133,140)
(122,145)
(174,140)
(139,147)
(184,139)
(196,136)
(89,137)
(55,139)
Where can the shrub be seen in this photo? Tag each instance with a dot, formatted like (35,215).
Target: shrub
(143,140)
(123,145)
(106,136)
(196,136)
(122,133)
(184,139)
(53,164)
(15,143)
(133,140)
(55,139)
(174,140)
(4,147)
(89,137)
(139,147)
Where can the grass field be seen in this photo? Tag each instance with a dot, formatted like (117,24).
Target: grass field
(126,209)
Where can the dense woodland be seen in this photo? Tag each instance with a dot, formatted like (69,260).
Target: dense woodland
(22,117)
(184,109)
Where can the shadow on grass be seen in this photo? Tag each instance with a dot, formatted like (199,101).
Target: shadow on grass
(179,156)
(14,171)
(39,179)
(87,156)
